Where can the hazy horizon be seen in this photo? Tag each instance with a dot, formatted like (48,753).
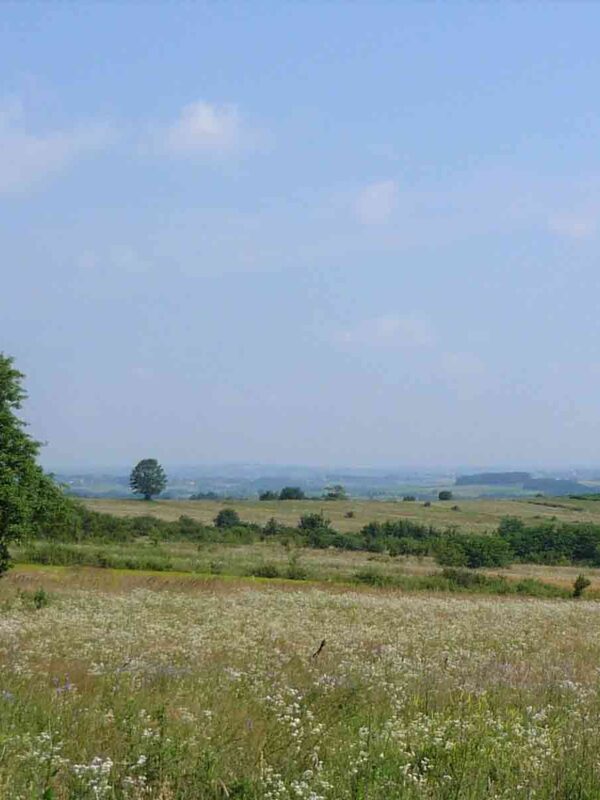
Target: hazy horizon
(303,234)
(265,468)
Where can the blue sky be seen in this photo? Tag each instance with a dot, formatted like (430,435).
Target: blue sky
(362,234)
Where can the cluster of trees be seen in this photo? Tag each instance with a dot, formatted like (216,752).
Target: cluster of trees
(493,479)
(30,500)
(551,542)
(334,492)
(287,493)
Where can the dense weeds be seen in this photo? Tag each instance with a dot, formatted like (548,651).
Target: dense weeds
(220,694)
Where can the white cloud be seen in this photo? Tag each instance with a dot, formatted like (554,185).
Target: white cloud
(204,129)
(28,158)
(376,202)
(390,330)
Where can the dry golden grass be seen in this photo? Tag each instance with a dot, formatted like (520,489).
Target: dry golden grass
(473,515)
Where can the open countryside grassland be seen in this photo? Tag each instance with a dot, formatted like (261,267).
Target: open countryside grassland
(472,515)
(330,565)
(113,689)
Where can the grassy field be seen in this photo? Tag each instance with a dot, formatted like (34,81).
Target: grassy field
(128,686)
(472,515)
(331,565)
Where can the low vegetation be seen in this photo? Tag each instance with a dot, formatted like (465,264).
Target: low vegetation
(147,542)
(266,694)
(189,659)
(549,542)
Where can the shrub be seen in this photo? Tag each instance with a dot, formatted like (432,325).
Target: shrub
(291,493)
(445,494)
(41,598)
(189,528)
(268,495)
(266,570)
(580,585)
(486,551)
(335,492)
(272,527)
(449,553)
(462,577)
(473,551)
(409,498)
(34,600)
(371,577)
(295,570)
(227,518)
(313,522)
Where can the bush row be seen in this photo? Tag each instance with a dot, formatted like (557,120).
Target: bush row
(544,543)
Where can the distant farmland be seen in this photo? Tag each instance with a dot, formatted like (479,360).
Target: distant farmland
(471,515)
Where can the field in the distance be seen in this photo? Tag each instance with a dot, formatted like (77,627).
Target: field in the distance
(472,515)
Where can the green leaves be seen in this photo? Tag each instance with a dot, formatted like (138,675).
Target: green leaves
(148,478)
(28,497)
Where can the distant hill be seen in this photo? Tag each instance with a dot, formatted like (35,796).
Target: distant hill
(555,486)
(494,479)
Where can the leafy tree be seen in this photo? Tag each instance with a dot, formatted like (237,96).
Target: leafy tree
(313,522)
(268,495)
(291,493)
(445,494)
(29,499)
(147,478)
(335,492)
(227,518)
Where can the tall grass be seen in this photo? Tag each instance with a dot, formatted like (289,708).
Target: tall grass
(279,563)
(279,695)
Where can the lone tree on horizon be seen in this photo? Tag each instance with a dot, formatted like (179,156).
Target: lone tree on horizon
(30,500)
(147,478)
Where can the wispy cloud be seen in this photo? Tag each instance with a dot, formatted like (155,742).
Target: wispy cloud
(390,330)
(575,226)
(27,158)
(462,365)
(207,130)
(376,202)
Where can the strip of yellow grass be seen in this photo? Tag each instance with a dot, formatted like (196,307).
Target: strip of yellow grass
(473,515)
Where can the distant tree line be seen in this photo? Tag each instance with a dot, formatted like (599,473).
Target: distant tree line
(493,479)
(287,493)
(334,492)
(524,480)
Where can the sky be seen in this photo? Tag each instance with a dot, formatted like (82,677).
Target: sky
(317,233)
